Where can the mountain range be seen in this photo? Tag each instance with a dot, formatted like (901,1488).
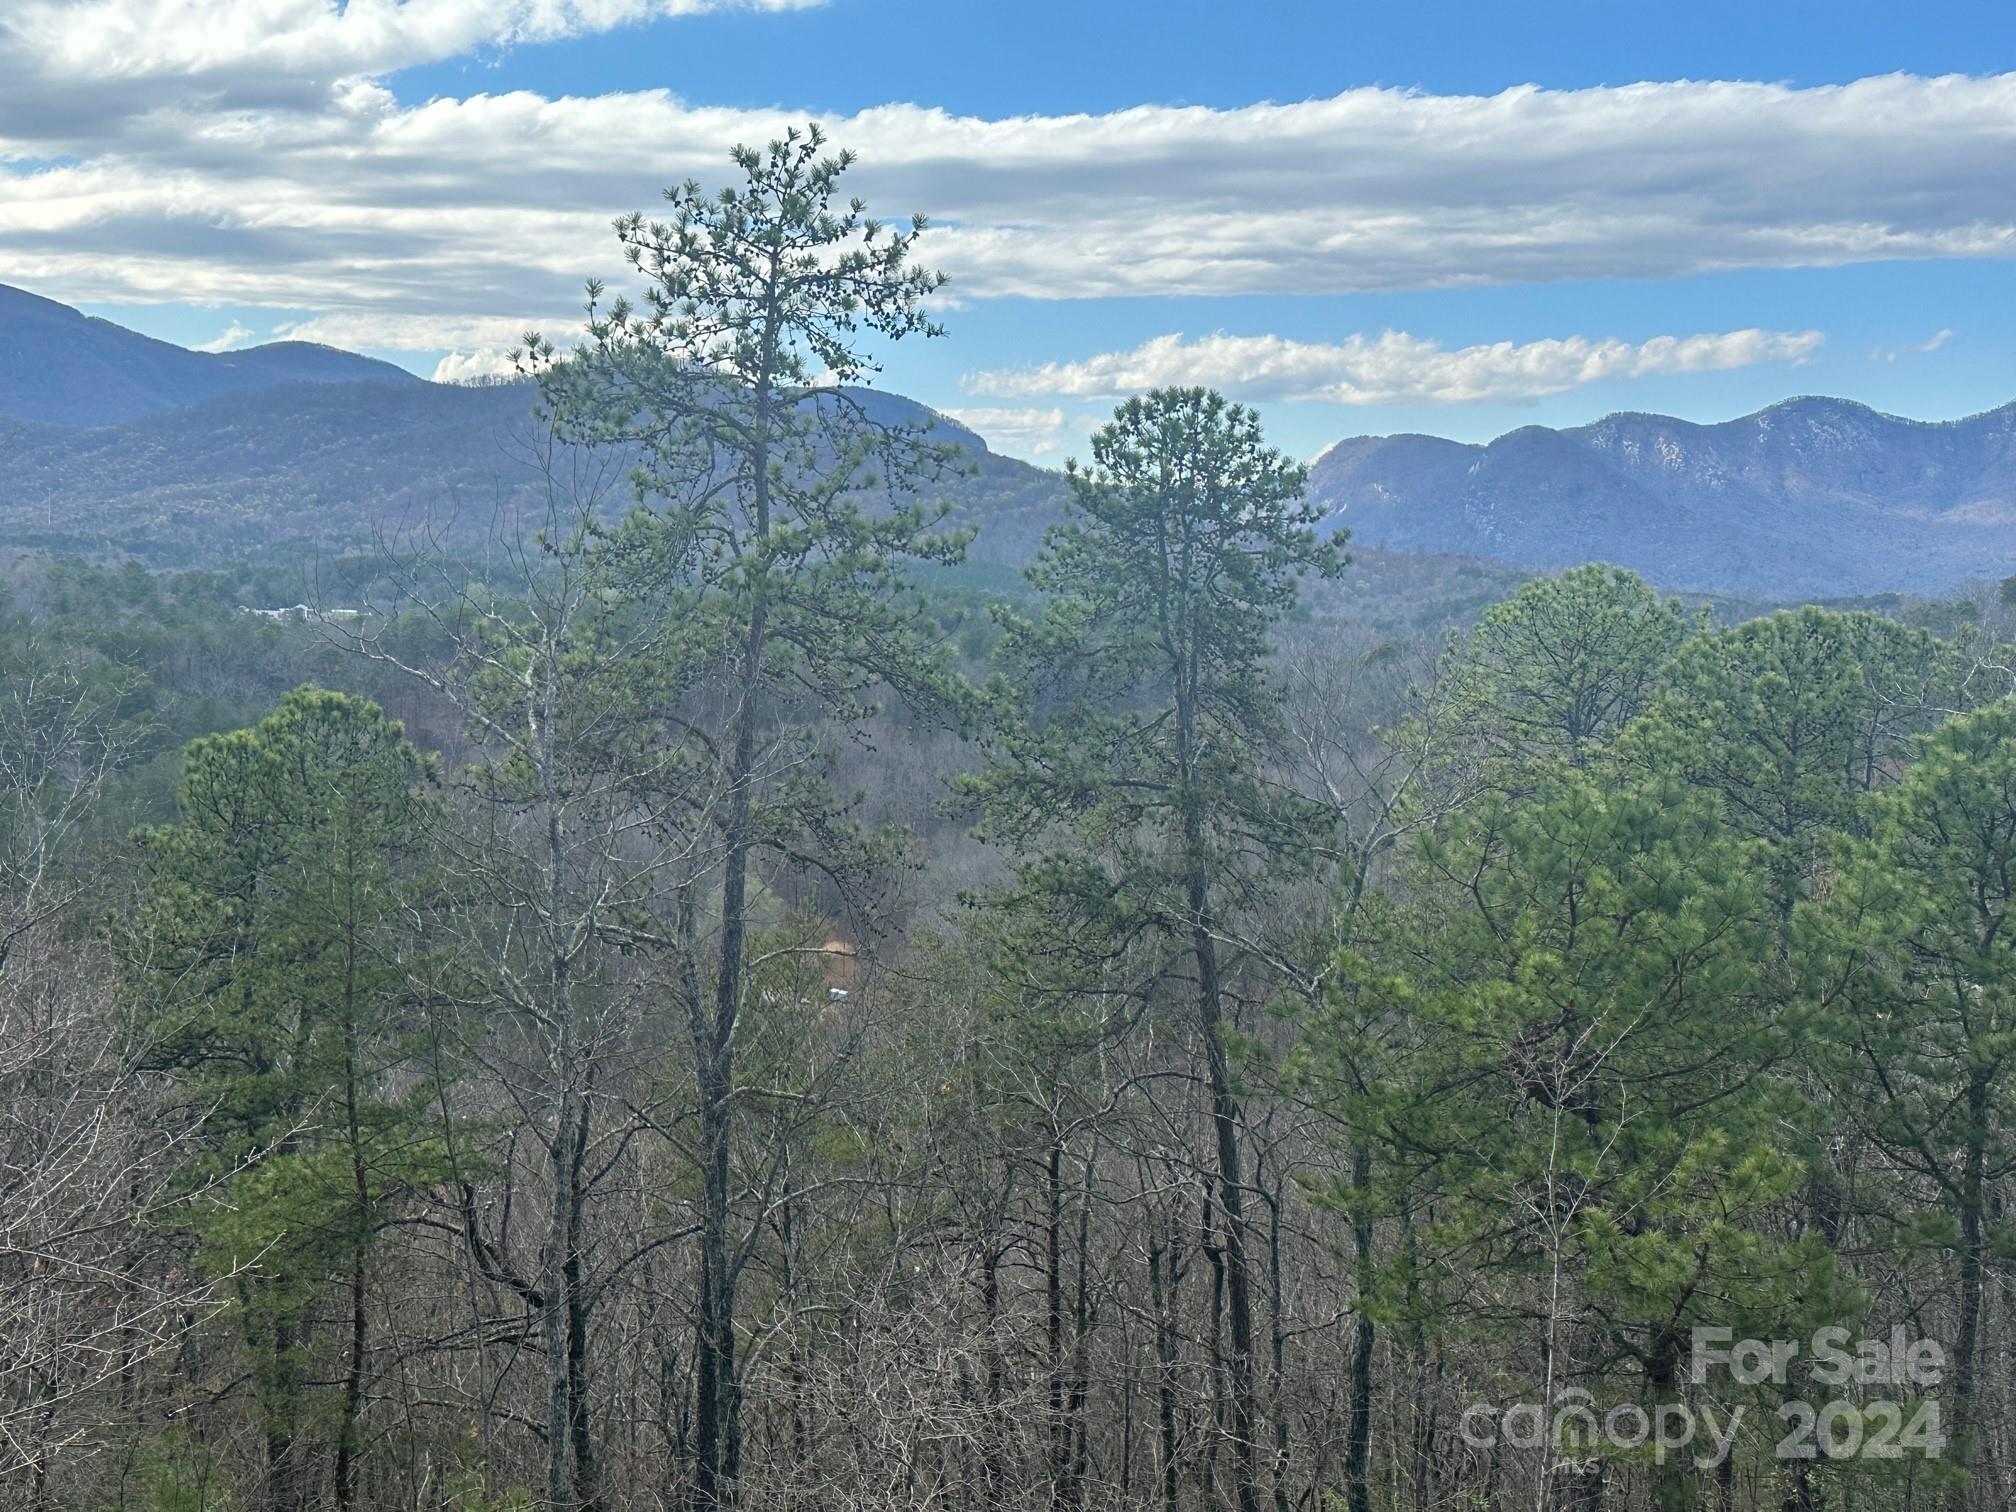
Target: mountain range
(1810,497)
(114,443)
(61,367)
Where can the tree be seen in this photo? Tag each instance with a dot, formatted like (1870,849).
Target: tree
(68,723)
(90,1155)
(780,510)
(1137,788)
(1587,1035)
(564,843)
(1789,722)
(1790,719)
(1547,680)
(1558,669)
(1918,940)
(274,967)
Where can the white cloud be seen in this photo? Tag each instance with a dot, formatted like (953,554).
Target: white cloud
(1391,368)
(236,44)
(393,331)
(246,171)
(233,335)
(1034,432)
(465,367)
(1931,343)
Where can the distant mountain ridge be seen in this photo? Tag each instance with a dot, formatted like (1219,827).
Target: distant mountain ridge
(1810,497)
(114,443)
(59,366)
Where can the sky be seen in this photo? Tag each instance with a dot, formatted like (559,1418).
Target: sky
(1451,216)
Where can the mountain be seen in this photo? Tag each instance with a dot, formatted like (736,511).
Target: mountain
(299,466)
(59,366)
(114,443)
(1811,497)
(328,467)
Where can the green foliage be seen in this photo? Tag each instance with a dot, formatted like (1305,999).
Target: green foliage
(782,518)
(180,1473)
(1594,987)
(1788,720)
(1567,1028)
(1911,958)
(264,926)
(1558,669)
(1144,711)
(275,969)
(1914,948)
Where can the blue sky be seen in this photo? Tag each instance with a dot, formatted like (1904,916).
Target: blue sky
(1052,57)
(1404,246)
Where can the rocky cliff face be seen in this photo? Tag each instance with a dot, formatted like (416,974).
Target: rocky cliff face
(1811,496)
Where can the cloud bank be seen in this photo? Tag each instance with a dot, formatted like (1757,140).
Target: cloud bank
(1035,431)
(231,337)
(1391,368)
(470,367)
(262,53)
(248,152)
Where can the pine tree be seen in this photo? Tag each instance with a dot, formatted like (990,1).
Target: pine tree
(1788,720)
(1915,945)
(779,509)
(275,965)
(1583,981)
(1136,790)
(1558,669)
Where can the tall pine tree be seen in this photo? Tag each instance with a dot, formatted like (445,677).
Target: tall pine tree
(1137,788)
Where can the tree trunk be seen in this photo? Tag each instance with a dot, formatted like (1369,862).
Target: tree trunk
(1229,1189)
(1163,1295)
(1358,1440)
(580,1436)
(1676,1487)
(1968,1328)
(1230,1199)
(360,1242)
(993,1448)
(718,1407)
(1053,1289)
(353,1378)
(283,1409)
(553,1325)
(1278,1349)
(716,1412)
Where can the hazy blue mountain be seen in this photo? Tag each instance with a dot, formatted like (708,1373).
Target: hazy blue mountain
(61,367)
(114,443)
(1809,497)
(330,466)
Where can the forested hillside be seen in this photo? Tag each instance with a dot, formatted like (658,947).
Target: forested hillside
(720,1004)
(326,469)
(116,445)
(1809,497)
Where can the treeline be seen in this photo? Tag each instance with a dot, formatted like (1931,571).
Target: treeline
(1340,1073)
